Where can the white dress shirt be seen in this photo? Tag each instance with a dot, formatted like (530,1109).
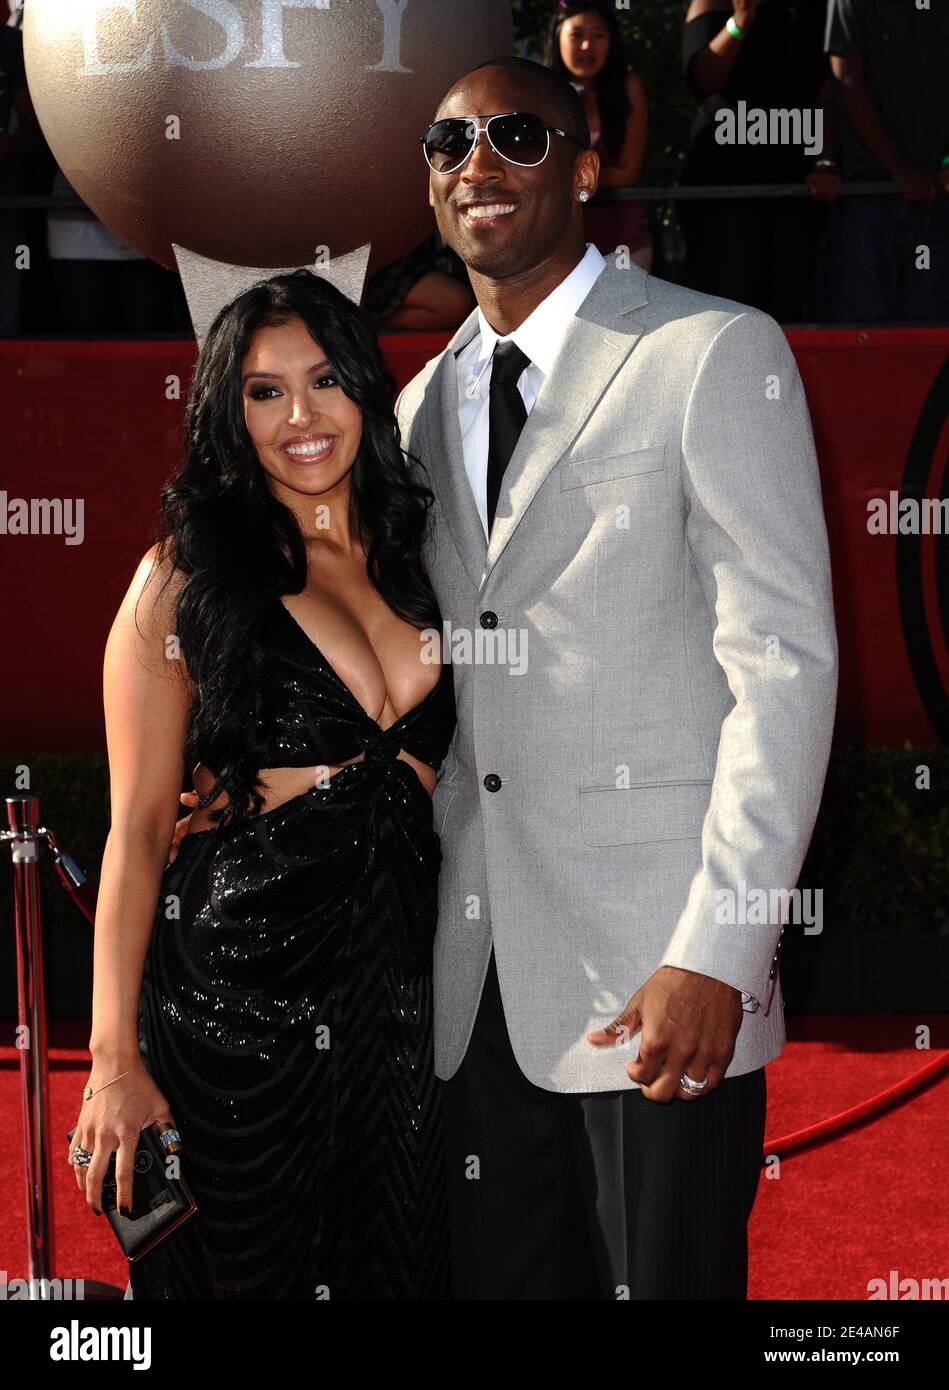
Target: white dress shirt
(539,337)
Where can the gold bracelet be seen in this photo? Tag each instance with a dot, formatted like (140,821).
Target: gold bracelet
(88,1092)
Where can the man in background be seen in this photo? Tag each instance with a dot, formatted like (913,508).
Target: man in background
(888,256)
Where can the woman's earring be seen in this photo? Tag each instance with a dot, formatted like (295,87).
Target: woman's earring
(584,195)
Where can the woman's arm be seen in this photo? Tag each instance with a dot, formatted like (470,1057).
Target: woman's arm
(711,67)
(626,171)
(147,698)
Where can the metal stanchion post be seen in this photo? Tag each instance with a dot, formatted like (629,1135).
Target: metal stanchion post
(24,836)
(23,819)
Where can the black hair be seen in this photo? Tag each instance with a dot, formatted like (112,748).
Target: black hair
(569,108)
(239,547)
(611,95)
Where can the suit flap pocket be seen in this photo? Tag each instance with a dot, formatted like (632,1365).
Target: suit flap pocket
(643,814)
(583,466)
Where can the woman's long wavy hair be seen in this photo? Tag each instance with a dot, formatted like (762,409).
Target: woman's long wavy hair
(611,94)
(238,547)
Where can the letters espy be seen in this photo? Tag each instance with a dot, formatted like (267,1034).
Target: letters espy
(230,21)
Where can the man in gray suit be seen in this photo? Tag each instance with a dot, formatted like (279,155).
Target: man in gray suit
(629,552)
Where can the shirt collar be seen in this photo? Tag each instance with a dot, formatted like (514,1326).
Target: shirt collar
(541,333)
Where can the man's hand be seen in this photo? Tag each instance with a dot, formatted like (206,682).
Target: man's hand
(917,185)
(689,1025)
(823,185)
(181,826)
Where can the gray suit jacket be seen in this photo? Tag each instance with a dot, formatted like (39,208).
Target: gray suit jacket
(659,549)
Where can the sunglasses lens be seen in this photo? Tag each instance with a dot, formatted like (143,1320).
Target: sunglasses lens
(447,143)
(521,138)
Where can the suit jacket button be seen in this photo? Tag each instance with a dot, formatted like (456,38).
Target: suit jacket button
(489,619)
(492,782)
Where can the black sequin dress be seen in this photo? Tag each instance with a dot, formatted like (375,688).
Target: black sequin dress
(286,1014)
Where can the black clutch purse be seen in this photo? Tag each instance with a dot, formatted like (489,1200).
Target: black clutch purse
(159,1203)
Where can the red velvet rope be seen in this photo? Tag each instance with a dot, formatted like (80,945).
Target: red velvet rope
(862,1113)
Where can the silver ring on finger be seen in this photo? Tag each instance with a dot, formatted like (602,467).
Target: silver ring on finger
(691,1086)
(81,1157)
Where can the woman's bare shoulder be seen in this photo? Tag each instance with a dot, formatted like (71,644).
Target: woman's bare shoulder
(156,584)
(146,619)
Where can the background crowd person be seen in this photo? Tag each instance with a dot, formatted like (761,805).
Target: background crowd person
(875,69)
(102,284)
(768,54)
(426,290)
(890,64)
(584,45)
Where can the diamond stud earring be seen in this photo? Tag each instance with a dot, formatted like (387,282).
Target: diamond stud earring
(584,195)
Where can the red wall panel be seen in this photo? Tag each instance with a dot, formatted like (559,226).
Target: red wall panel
(101,421)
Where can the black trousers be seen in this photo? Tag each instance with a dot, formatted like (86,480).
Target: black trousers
(605,1195)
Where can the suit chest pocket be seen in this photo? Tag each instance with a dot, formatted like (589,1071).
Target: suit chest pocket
(591,461)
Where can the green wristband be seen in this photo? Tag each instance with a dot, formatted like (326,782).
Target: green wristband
(733,28)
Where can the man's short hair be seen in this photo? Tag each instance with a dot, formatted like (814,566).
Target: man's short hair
(571,115)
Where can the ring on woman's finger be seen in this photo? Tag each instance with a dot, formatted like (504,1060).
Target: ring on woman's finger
(81,1157)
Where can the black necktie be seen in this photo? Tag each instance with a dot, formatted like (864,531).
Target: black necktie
(506,415)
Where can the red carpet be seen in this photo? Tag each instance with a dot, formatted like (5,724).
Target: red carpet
(868,1201)
(843,1212)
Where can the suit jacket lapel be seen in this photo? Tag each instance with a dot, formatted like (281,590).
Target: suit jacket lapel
(447,458)
(596,345)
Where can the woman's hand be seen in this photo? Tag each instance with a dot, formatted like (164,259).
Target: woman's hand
(111,1120)
(181,826)
(710,68)
(744,11)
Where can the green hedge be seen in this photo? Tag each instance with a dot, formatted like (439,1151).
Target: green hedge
(74,803)
(880,848)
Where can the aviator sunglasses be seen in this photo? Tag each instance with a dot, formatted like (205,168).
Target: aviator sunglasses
(517,136)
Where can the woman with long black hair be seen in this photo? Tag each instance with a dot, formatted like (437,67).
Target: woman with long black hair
(269,991)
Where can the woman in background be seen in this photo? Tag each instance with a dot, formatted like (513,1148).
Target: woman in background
(585,46)
(426,291)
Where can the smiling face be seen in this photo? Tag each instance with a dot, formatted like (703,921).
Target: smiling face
(532,213)
(305,429)
(584,45)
